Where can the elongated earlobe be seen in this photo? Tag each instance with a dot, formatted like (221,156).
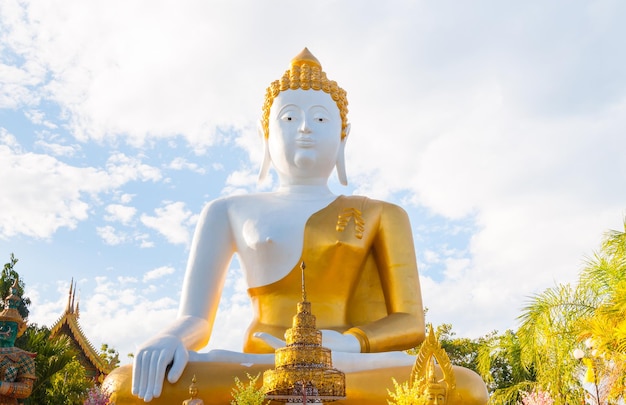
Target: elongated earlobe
(341,160)
(267,160)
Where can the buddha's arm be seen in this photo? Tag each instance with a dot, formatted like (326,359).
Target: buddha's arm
(211,251)
(403,327)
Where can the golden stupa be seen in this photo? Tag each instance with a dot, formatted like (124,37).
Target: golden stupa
(304,371)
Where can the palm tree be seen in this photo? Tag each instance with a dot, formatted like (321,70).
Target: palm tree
(605,330)
(52,357)
(500,365)
(548,335)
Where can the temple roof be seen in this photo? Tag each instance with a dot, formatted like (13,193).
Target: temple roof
(68,325)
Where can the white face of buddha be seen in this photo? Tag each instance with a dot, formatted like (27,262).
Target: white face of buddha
(304,136)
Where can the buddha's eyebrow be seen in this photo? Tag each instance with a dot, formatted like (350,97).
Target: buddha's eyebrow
(288,106)
(318,106)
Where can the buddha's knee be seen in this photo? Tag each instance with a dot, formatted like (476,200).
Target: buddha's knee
(470,388)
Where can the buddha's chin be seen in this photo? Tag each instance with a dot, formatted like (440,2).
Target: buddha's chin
(304,161)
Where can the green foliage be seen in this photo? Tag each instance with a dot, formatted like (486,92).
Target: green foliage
(52,357)
(547,338)
(69,386)
(404,394)
(248,393)
(500,365)
(110,356)
(461,351)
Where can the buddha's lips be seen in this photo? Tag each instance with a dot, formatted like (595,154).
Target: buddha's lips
(5,334)
(305,143)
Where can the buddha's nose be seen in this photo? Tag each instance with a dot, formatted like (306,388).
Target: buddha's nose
(305,127)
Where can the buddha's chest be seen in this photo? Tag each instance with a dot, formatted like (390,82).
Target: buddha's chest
(269,229)
(273,236)
(269,236)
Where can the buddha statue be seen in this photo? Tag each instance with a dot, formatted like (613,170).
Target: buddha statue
(17,366)
(193,391)
(365,288)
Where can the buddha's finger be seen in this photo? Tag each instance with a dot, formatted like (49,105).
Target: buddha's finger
(152,375)
(136,374)
(181,357)
(271,340)
(140,378)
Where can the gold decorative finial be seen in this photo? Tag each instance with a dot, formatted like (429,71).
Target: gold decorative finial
(306,73)
(423,372)
(305,58)
(302,267)
(10,312)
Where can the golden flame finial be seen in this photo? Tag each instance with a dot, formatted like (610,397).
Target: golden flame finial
(302,267)
(305,58)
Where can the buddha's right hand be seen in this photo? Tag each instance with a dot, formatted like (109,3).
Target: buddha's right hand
(151,363)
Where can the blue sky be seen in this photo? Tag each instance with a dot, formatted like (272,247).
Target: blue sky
(498,126)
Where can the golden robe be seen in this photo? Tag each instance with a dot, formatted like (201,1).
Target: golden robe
(361,278)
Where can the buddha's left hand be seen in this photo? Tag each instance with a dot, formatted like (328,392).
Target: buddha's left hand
(331,339)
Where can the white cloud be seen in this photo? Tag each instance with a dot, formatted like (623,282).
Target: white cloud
(9,140)
(47,194)
(110,235)
(182,164)
(158,273)
(144,241)
(56,149)
(123,168)
(240,182)
(126,198)
(173,221)
(39,117)
(120,213)
(116,305)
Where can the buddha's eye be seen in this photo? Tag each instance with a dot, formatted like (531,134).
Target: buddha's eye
(288,117)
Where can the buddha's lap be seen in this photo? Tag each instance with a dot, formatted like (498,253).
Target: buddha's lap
(215,382)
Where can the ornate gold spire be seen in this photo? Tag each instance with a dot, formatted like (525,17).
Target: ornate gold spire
(303,366)
(10,312)
(306,73)
(302,267)
(305,57)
